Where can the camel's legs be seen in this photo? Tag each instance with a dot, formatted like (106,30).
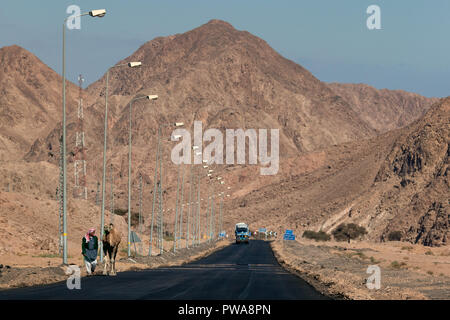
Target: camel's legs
(105,268)
(113,261)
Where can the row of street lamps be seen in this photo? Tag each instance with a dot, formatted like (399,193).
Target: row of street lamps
(158,165)
(210,221)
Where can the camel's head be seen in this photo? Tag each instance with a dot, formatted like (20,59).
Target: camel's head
(107,228)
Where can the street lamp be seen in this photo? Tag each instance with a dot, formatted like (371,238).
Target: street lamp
(93,13)
(149,97)
(158,162)
(176,137)
(102,219)
(191,207)
(97,13)
(196,214)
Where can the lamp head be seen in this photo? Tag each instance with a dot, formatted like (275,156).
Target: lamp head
(97,13)
(134,64)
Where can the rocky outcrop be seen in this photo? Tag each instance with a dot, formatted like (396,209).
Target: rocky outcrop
(417,171)
(383,109)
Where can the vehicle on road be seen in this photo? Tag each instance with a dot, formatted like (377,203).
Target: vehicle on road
(242,232)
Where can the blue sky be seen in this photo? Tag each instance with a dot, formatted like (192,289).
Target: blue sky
(328,37)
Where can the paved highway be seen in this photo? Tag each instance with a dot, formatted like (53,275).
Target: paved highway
(233,273)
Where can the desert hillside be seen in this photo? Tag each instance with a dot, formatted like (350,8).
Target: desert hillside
(333,160)
(397,181)
(384,109)
(30,101)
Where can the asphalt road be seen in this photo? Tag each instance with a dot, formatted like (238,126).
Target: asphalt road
(247,272)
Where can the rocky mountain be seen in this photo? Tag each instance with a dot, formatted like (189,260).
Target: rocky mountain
(216,74)
(384,109)
(232,79)
(396,182)
(30,101)
(417,171)
(335,165)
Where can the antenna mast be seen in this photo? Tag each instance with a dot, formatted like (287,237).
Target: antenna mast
(80,189)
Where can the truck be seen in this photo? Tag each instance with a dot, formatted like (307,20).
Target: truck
(241,232)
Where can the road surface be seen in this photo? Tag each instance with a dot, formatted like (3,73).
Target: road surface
(233,273)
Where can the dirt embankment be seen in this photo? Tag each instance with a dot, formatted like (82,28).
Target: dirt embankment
(340,270)
(47,271)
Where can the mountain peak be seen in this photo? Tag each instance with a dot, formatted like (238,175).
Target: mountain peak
(14,51)
(219,22)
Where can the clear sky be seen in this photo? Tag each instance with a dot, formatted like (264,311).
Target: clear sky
(328,37)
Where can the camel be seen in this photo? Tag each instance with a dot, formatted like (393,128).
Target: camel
(111,240)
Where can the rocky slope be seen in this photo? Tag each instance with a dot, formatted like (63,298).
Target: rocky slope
(232,79)
(418,169)
(395,182)
(330,154)
(30,101)
(383,109)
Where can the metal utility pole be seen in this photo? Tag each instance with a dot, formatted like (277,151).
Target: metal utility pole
(141,219)
(220,213)
(158,188)
(97,194)
(198,209)
(129,185)
(181,206)
(59,194)
(64,186)
(206,220)
(112,195)
(105,134)
(155,188)
(149,97)
(80,189)
(212,213)
(189,207)
(161,209)
(140,225)
(176,210)
(192,197)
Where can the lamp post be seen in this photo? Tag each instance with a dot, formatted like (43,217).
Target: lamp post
(176,201)
(194,219)
(94,13)
(198,210)
(188,231)
(149,97)
(214,215)
(102,219)
(158,189)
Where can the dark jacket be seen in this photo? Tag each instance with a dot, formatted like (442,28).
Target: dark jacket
(90,249)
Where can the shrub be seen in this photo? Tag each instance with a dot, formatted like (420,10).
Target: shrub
(395,236)
(397,265)
(347,232)
(120,212)
(361,255)
(318,236)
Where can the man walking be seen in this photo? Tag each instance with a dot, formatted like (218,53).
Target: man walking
(89,249)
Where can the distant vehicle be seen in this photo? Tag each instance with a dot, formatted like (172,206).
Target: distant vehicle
(241,232)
